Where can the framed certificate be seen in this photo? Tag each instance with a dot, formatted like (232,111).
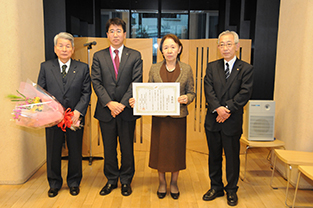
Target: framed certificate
(156,98)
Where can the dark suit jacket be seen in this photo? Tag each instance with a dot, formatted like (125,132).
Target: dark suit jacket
(108,88)
(76,93)
(233,93)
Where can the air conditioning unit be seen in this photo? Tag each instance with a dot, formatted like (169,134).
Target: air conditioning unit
(259,120)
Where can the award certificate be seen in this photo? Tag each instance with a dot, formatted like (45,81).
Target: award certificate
(156,98)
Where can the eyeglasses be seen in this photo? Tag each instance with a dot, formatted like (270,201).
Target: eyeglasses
(228,45)
(117,31)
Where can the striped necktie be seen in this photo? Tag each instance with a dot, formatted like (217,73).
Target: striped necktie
(227,71)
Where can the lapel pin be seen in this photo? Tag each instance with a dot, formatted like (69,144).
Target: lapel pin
(237,69)
(75,71)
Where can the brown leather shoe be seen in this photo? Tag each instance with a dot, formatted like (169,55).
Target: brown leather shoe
(212,194)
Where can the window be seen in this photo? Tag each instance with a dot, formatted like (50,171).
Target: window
(198,24)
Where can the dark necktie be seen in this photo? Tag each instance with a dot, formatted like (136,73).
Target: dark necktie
(64,70)
(117,62)
(227,71)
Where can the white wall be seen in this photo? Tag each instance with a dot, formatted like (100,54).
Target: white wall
(22,150)
(294,76)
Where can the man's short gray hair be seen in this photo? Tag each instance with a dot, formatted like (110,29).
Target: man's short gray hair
(235,35)
(64,35)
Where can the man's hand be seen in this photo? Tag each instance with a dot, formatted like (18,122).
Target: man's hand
(75,116)
(223,114)
(115,107)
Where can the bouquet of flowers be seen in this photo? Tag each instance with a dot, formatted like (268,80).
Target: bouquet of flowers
(35,107)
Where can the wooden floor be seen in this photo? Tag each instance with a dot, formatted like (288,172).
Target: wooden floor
(254,192)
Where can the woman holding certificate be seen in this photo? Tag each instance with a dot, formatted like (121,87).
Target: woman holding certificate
(168,133)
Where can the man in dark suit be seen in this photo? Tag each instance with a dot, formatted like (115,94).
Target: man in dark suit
(114,69)
(228,87)
(69,82)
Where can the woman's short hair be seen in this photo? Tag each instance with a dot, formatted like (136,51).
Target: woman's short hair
(175,39)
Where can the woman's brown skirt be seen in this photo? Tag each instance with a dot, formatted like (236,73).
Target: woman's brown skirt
(168,144)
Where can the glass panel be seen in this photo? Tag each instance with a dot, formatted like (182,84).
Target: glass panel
(144,24)
(203,24)
(174,22)
(108,14)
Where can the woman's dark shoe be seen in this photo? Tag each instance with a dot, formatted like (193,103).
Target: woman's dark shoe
(161,195)
(175,195)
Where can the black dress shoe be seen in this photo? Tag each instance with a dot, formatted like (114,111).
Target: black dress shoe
(175,195)
(74,191)
(232,199)
(107,189)
(212,194)
(126,189)
(53,192)
(161,195)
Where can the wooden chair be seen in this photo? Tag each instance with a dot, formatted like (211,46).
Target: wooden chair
(308,172)
(291,158)
(254,144)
